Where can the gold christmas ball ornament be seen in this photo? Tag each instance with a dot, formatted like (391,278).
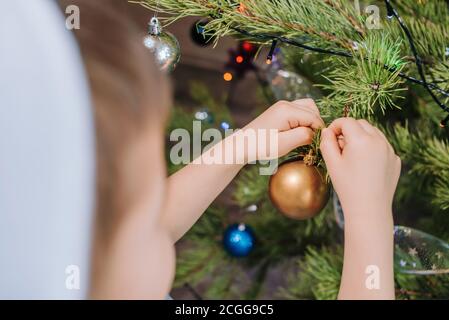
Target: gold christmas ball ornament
(298,190)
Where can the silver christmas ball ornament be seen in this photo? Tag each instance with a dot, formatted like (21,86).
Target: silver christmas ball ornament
(163,45)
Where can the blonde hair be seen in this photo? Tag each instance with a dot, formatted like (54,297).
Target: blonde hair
(128,92)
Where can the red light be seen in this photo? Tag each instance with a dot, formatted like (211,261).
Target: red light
(247,46)
(239,59)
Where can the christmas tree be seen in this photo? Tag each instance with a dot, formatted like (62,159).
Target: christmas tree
(387,62)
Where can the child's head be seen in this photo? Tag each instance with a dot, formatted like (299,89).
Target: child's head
(131,99)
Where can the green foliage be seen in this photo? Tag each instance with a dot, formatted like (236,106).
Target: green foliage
(205,259)
(193,264)
(201,97)
(318,275)
(427,161)
(275,243)
(414,287)
(442,191)
(315,21)
(425,10)
(365,84)
(183,117)
(251,187)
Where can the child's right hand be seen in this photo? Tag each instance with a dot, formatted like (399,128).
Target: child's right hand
(362,165)
(365,171)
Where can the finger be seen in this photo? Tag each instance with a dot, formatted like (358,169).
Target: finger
(399,164)
(381,134)
(307,109)
(371,129)
(317,116)
(398,168)
(300,117)
(348,127)
(291,139)
(378,133)
(341,142)
(308,104)
(367,126)
(329,148)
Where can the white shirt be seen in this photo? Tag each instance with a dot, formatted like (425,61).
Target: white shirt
(46,156)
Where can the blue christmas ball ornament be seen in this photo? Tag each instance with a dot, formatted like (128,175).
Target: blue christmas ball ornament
(238,240)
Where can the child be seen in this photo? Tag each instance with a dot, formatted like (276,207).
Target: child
(141,213)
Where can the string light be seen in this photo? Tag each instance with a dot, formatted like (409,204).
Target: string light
(227,76)
(225,125)
(418,60)
(239,59)
(271,53)
(247,46)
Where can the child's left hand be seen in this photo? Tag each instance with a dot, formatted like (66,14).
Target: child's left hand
(295,121)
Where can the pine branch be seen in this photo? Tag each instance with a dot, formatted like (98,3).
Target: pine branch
(366,85)
(320,271)
(327,23)
(427,158)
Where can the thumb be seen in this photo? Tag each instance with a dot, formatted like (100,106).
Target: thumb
(294,138)
(329,148)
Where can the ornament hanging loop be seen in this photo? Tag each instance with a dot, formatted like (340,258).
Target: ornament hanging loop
(154,27)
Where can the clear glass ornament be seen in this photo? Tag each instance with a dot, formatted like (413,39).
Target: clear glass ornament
(415,252)
(290,86)
(163,45)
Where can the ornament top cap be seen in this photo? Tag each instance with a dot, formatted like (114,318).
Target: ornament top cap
(154,27)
